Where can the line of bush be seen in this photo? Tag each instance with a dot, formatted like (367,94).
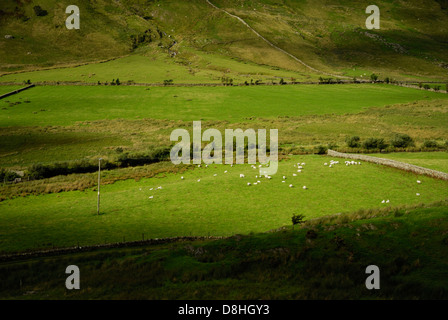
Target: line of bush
(42,171)
(398,142)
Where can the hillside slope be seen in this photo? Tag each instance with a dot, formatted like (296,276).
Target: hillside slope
(329,36)
(325,259)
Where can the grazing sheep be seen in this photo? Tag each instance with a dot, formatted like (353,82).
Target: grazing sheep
(299,170)
(383,201)
(294,175)
(151,197)
(241,175)
(215,175)
(225,171)
(248,184)
(304,187)
(290,185)
(199,180)
(182,178)
(418,181)
(387,201)
(417,194)
(325,164)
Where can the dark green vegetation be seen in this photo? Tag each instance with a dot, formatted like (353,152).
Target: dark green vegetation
(323,259)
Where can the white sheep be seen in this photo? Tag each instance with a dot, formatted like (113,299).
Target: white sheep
(241,175)
(304,187)
(418,181)
(290,185)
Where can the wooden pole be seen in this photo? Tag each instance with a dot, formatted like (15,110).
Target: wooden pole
(99,182)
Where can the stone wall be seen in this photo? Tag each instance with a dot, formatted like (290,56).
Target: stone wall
(391,163)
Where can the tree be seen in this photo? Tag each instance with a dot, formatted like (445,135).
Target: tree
(117,82)
(297,219)
(373,77)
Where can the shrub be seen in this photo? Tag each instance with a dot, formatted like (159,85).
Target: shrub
(375,143)
(402,141)
(39,11)
(373,77)
(353,142)
(297,219)
(137,159)
(321,149)
(426,87)
(430,144)
(7,175)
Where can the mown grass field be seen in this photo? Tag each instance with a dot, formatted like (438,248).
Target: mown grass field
(408,245)
(65,105)
(217,205)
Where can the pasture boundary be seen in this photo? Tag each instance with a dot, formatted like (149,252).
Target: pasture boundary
(391,163)
(16,91)
(77,249)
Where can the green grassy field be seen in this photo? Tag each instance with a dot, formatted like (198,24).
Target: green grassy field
(65,105)
(432,160)
(212,206)
(155,67)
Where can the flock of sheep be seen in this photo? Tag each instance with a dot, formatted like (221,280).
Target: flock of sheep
(299,167)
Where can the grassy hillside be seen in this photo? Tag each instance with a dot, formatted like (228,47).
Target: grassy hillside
(330,37)
(325,259)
